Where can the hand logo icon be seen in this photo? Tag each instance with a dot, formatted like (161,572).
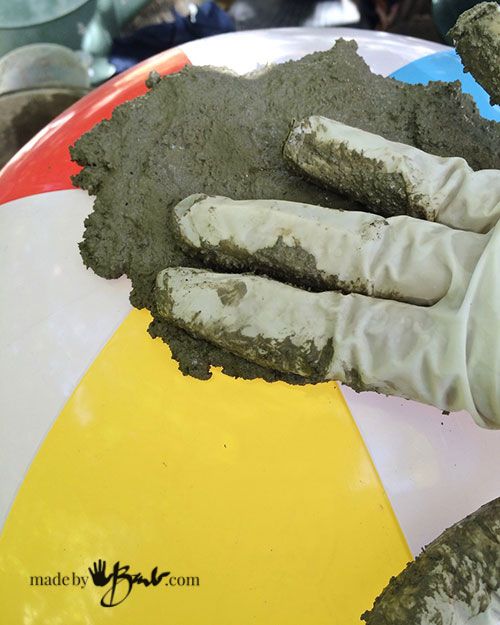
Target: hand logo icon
(98,574)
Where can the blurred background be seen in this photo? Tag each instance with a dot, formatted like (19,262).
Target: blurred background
(52,52)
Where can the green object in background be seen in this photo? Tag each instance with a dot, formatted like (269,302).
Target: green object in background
(49,21)
(89,25)
(37,82)
(40,66)
(447,12)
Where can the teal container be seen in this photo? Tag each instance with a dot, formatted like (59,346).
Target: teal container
(52,21)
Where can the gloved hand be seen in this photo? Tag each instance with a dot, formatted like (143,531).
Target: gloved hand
(419,312)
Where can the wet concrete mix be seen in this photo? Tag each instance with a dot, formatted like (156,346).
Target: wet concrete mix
(204,130)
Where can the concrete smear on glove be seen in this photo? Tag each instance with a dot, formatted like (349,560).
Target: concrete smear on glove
(364,179)
(477,38)
(284,355)
(287,263)
(207,131)
(455,579)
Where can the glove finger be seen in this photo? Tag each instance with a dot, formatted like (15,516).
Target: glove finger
(476,36)
(370,344)
(326,249)
(392,178)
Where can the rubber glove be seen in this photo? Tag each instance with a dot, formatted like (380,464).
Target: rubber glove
(476,36)
(454,581)
(418,312)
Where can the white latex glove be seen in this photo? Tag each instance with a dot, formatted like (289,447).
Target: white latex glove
(422,315)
